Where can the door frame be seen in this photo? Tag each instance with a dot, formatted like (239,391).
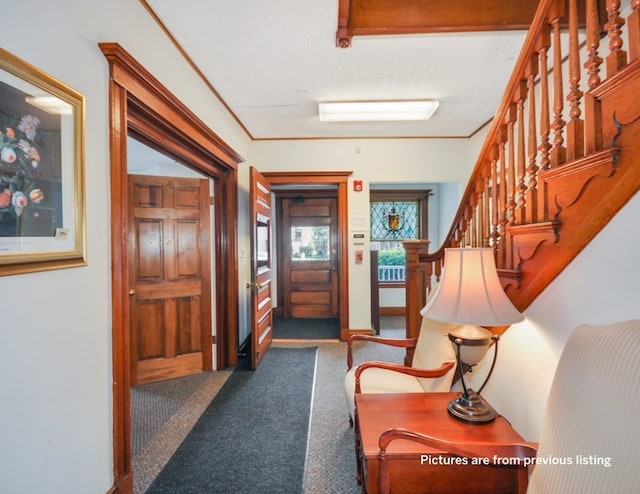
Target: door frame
(280,196)
(141,107)
(341,180)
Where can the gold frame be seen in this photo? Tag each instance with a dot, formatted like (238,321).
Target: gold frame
(65,246)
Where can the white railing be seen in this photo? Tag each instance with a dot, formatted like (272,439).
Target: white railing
(391,274)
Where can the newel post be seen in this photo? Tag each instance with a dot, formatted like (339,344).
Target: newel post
(418,279)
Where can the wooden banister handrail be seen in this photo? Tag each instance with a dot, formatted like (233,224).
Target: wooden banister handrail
(554,139)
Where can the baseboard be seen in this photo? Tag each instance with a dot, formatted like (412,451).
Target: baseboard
(122,486)
(345,333)
(393,311)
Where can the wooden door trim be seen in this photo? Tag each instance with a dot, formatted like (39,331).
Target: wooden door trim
(341,180)
(140,106)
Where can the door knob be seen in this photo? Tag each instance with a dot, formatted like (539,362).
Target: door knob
(259,286)
(132,292)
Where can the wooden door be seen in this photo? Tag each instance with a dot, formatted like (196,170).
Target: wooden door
(310,260)
(170,277)
(261,281)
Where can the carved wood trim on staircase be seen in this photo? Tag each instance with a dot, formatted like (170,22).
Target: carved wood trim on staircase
(549,178)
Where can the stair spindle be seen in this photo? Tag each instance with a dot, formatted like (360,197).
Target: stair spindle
(617,57)
(633,23)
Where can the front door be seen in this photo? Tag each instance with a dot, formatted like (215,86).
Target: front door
(310,260)
(261,281)
(170,277)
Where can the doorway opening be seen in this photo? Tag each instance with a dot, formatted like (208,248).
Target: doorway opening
(142,108)
(312,295)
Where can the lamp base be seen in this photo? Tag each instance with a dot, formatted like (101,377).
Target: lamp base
(471,408)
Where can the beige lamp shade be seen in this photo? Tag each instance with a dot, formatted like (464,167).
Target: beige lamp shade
(470,291)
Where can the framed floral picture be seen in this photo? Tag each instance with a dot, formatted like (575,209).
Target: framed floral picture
(42,223)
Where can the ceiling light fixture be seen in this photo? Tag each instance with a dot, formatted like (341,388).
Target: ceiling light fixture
(371,111)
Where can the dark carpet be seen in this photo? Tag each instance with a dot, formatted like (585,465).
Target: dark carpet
(306,329)
(253,436)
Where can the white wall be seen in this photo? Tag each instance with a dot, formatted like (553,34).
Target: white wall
(372,161)
(55,336)
(600,286)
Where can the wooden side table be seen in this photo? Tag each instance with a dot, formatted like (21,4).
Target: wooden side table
(415,468)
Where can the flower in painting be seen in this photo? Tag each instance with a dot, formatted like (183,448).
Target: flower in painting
(19,199)
(36,196)
(29,125)
(8,154)
(5,198)
(19,159)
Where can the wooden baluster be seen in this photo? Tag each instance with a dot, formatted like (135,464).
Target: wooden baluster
(485,224)
(558,151)
(593,123)
(469,235)
(428,278)
(459,233)
(617,57)
(545,130)
(478,224)
(438,267)
(545,126)
(532,167)
(472,217)
(634,31)
(511,171)
(511,180)
(593,43)
(482,222)
(502,200)
(522,186)
(575,128)
(492,200)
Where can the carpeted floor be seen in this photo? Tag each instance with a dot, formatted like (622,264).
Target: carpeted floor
(306,329)
(165,398)
(330,464)
(253,436)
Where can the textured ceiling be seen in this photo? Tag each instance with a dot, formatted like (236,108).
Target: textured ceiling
(272,61)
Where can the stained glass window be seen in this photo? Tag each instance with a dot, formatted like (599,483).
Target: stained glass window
(395,220)
(396,216)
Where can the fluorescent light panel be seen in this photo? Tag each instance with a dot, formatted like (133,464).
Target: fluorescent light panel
(370,111)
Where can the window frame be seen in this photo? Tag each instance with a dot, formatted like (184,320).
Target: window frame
(400,195)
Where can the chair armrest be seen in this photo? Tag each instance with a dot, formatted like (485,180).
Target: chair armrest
(524,452)
(412,371)
(400,343)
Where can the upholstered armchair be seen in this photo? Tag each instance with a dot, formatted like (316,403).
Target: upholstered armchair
(591,430)
(432,368)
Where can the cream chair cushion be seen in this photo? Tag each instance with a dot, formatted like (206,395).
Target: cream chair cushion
(593,415)
(432,350)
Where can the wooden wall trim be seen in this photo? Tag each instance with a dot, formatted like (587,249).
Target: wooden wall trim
(127,72)
(141,107)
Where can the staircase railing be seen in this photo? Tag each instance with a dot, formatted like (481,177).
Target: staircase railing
(560,157)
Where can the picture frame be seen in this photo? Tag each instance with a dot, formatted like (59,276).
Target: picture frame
(42,197)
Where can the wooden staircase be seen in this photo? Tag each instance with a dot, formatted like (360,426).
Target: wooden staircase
(561,158)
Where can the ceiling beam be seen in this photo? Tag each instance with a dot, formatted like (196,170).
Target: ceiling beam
(375,17)
(379,17)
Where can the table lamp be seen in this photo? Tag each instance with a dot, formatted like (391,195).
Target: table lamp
(470,294)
